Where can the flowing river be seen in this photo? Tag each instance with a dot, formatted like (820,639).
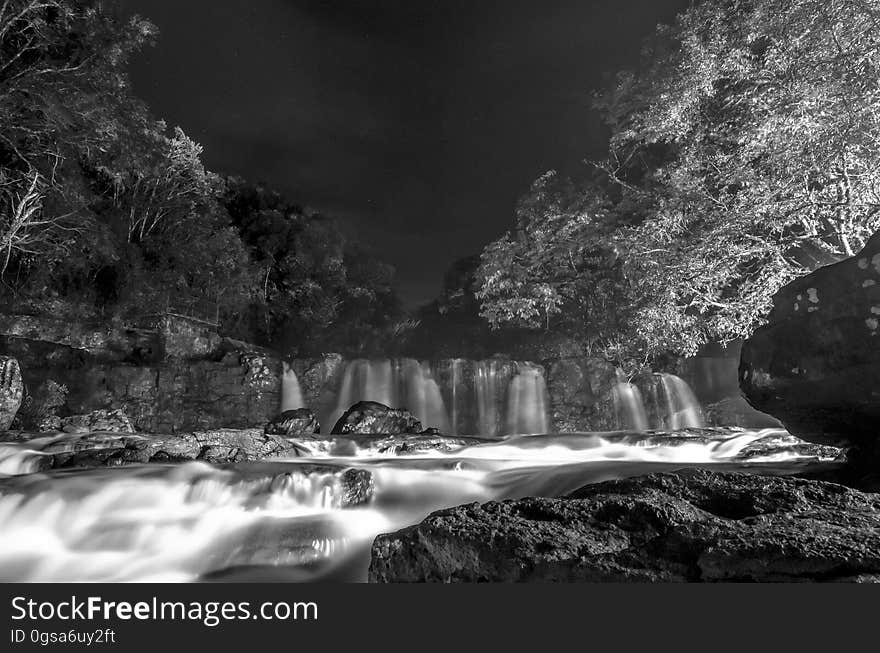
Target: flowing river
(288,520)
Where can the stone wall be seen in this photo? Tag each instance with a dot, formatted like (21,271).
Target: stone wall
(240,390)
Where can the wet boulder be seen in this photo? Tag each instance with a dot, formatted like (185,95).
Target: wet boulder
(358,487)
(689,526)
(815,365)
(373,418)
(300,422)
(11,390)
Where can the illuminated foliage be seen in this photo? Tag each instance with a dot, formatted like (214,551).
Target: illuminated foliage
(743,154)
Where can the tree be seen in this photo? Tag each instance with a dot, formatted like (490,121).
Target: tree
(317,287)
(98,202)
(560,267)
(744,153)
(24,228)
(103,210)
(64,103)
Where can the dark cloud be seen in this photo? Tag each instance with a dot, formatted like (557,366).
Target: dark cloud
(418,122)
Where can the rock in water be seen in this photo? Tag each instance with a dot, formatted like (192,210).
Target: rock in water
(108,421)
(291,423)
(358,487)
(373,418)
(11,391)
(693,526)
(816,364)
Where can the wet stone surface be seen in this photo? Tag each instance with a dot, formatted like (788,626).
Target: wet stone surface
(693,526)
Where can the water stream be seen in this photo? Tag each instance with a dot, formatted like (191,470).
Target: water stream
(288,520)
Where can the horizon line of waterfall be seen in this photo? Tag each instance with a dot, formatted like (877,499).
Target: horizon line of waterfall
(457,396)
(664,401)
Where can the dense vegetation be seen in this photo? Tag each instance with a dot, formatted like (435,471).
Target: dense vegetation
(744,153)
(106,212)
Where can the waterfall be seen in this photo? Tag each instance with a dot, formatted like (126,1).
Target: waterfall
(527,403)
(664,401)
(456,386)
(497,396)
(402,383)
(379,385)
(682,408)
(425,400)
(457,396)
(291,394)
(486,384)
(345,397)
(629,407)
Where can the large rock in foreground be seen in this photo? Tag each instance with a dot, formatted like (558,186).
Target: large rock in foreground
(816,364)
(373,418)
(11,390)
(693,526)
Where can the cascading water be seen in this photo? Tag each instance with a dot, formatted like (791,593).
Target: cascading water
(486,385)
(164,523)
(459,397)
(629,407)
(402,383)
(682,408)
(527,403)
(666,403)
(424,398)
(291,394)
(454,389)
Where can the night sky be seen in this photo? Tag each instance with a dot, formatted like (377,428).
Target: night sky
(417,122)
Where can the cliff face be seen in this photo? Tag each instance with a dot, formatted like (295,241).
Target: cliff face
(237,391)
(175,376)
(816,364)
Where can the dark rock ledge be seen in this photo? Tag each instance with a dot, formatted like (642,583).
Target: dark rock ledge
(106,449)
(693,525)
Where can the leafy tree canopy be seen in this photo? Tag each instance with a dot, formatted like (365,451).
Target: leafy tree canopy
(743,153)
